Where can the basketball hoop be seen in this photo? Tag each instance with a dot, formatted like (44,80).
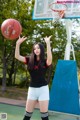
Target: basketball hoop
(58,10)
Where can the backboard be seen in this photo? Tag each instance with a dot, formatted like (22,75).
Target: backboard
(42,9)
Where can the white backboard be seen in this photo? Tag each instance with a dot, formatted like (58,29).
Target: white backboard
(43,11)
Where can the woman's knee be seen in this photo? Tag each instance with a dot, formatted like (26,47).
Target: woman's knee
(43,106)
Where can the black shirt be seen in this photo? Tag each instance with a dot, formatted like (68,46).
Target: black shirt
(38,73)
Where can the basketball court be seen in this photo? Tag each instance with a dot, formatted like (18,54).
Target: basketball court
(16,113)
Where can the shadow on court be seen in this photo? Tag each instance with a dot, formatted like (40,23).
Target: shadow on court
(17,112)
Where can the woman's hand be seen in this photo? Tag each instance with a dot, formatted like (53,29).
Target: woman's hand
(21,39)
(47,39)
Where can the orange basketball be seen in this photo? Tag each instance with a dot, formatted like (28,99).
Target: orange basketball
(11,29)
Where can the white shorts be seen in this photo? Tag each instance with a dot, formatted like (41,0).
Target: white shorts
(40,94)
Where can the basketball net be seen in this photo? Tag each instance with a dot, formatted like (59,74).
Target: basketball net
(59,15)
(58,11)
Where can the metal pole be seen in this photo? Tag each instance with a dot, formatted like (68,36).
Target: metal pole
(68,48)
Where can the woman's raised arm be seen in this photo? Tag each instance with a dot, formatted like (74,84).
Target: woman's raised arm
(17,49)
(49,53)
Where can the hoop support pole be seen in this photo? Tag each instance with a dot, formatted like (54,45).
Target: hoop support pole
(69,47)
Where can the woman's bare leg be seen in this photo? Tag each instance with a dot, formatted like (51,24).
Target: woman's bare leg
(30,104)
(44,109)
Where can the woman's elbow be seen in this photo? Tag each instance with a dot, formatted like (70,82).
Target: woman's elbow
(49,62)
(16,56)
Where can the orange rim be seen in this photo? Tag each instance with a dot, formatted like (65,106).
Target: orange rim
(60,12)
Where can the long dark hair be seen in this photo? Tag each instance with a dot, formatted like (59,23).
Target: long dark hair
(33,57)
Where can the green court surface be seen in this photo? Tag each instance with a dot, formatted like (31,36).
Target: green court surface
(17,112)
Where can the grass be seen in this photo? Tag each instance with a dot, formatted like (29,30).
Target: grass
(14,93)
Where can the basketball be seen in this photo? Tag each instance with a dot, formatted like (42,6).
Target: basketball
(11,29)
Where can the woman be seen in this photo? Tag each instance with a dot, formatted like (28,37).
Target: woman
(37,66)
